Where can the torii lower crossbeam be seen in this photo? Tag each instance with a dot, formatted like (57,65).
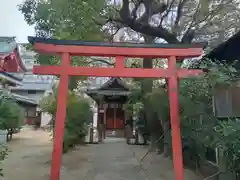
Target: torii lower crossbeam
(65,70)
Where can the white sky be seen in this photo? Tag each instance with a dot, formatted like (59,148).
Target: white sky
(12,21)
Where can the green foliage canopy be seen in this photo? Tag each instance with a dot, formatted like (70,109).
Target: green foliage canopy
(65,19)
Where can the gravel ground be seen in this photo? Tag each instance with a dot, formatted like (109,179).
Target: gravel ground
(30,159)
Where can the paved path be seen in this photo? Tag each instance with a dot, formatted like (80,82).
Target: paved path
(114,160)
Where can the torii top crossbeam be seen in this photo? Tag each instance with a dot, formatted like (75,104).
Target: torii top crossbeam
(67,48)
(81,48)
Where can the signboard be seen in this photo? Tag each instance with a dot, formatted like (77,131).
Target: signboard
(101,110)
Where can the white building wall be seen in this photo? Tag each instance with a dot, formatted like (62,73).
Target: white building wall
(45,119)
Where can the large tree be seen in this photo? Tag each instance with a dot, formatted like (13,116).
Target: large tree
(174,21)
(169,21)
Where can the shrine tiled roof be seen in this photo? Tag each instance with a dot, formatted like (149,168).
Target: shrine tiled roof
(11,78)
(24,99)
(113,87)
(9,47)
(113,84)
(33,86)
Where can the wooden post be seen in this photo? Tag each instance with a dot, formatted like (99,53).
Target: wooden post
(125,116)
(105,119)
(114,116)
(60,120)
(175,121)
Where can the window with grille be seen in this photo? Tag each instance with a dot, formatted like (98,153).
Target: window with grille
(32,91)
(211,154)
(30,112)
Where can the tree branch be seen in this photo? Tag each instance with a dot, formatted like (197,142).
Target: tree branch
(189,34)
(149,30)
(102,61)
(141,25)
(179,12)
(124,11)
(134,11)
(209,17)
(167,12)
(147,14)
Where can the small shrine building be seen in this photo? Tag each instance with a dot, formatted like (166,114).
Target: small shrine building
(110,98)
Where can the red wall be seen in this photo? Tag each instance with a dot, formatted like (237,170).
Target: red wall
(119,121)
(12,63)
(110,124)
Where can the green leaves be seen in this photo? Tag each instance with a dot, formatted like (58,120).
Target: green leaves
(11,114)
(3,155)
(64,19)
(78,115)
(199,127)
(227,137)
(197,118)
(11,117)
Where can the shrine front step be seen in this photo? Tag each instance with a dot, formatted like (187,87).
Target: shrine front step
(115,133)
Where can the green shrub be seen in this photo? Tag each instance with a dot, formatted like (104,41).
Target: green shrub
(11,114)
(3,155)
(78,115)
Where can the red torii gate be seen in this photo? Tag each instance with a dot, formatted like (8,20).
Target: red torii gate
(68,48)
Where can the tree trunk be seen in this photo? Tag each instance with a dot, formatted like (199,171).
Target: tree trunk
(166,127)
(225,174)
(9,134)
(153,122)
(153,144)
